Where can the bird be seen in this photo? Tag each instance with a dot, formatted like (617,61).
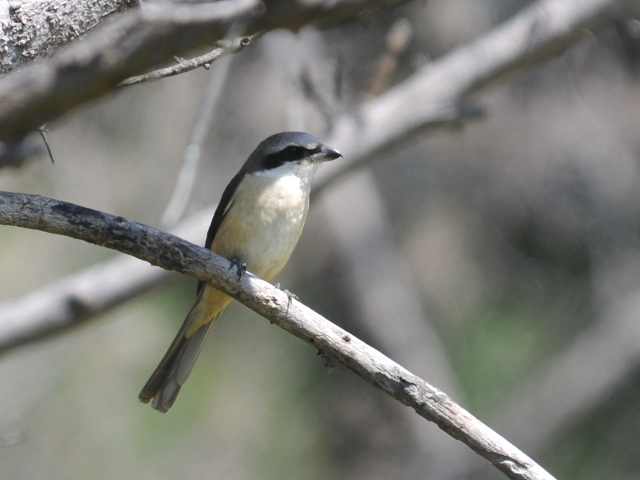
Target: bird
(256,226)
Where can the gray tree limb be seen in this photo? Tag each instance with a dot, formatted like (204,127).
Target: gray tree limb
(174,254)
(226,47)
(431,97)
(32,29)
(75,299)
(140,40)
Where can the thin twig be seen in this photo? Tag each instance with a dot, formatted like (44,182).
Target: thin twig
(173,253)
(397,41)
(186,65)
(42,131)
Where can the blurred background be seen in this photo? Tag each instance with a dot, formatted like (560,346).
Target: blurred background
(500,261)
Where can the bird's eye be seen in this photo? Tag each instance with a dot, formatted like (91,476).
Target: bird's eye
(295,152)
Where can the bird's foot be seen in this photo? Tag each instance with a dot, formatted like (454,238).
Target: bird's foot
(290,295)
(241,268)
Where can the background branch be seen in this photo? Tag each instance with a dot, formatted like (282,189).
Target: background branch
(92,68)
(392,109)
(32,29)
(174,254)
(72,300)
(121,49)
(201,126)
(431,97)
(184,65)
(386,306)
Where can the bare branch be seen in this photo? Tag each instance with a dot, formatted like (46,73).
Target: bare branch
(137,42)
(174,254)
(186,65)
(397,41)
(75,299)
(32,29)
(432,96)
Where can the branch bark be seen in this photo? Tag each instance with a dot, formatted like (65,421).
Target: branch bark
(32,29)
(138,41)
(174,254)
(75,299)
(226,47)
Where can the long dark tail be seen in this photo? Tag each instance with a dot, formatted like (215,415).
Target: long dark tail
(164,384)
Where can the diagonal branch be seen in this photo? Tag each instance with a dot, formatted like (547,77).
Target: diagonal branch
(172,253)
(226,47)
(431,97)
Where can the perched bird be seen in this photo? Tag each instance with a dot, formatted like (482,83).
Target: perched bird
(256,227)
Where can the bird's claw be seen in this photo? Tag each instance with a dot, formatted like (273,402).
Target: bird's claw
(240,267)
(290,295)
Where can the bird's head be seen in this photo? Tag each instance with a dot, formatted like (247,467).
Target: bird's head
(289,150)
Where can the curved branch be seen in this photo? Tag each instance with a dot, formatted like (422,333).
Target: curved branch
(172,253)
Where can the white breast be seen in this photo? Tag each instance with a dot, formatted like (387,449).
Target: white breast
(265,221)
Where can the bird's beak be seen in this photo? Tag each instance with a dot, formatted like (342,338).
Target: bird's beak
(327,153)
